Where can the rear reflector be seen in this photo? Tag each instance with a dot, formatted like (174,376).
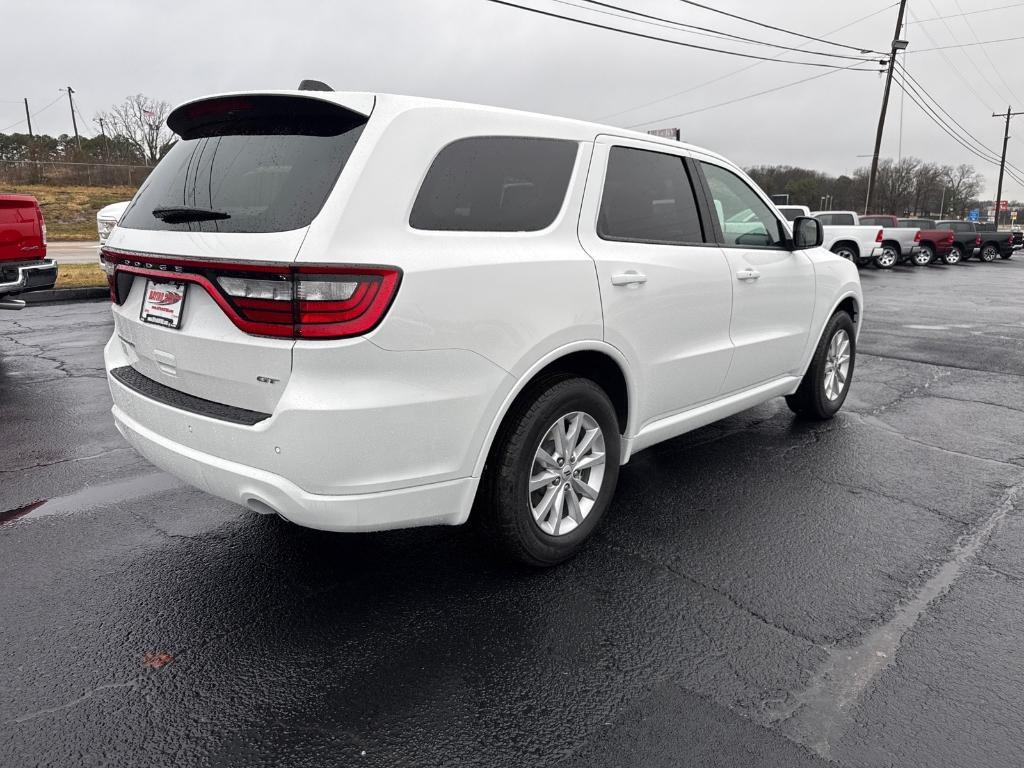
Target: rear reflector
(280,300)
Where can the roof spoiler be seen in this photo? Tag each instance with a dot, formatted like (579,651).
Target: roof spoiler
(314,85)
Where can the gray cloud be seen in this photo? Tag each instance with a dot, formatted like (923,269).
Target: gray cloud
(476,51)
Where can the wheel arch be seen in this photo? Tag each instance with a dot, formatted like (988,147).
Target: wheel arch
(848,301)
(598,361)
(851,243)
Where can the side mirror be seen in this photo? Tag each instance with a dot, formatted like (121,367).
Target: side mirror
(807,233)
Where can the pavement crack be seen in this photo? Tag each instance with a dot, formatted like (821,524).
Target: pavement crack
(43,464)
(74,702)
(818,715)
(680,574)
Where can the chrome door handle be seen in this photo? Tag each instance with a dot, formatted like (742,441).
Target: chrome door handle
(629,277)
(748,274)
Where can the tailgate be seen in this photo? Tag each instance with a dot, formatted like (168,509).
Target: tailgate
(202,259)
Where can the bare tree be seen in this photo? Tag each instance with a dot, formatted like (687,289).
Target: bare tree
(964,184)
(141,121)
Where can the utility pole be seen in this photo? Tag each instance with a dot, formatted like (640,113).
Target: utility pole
(106,142)
(74,123)
(1002,162)
(897,45)
(28,117)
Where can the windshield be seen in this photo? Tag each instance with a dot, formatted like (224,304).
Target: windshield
(258,164)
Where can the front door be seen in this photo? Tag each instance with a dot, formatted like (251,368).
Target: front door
(774,286)
(666,288)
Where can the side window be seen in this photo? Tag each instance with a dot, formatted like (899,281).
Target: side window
(648,198)
(495,184)
(746,219)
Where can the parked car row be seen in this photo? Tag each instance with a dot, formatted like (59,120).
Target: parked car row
(23,263)
(886,240)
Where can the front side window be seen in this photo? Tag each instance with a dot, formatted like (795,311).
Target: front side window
(495,184)
(648,198)
(745,218)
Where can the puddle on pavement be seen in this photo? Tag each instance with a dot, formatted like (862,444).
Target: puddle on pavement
(94,496)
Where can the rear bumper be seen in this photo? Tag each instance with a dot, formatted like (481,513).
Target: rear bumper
(22,276)
(442,503)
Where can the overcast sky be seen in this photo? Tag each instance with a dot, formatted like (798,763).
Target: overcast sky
(474,50)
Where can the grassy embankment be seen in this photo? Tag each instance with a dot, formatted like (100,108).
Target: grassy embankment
(70,214)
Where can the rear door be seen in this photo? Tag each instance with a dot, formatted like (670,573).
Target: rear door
(665,288)
(774,287)
(212,235)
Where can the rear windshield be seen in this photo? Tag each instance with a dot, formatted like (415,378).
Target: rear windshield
(495,184)
(790,213)
(247,164)
(876,221)
(919,223)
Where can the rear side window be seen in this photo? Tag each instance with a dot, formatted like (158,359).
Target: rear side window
(495,184)
(648,198)
(836,219)
(247,164)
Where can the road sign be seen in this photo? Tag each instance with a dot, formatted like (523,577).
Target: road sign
(1004,205)
(974,215)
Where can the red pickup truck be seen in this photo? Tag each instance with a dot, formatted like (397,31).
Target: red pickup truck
(23,263)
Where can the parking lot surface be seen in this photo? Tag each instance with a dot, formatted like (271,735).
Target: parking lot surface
(763,591)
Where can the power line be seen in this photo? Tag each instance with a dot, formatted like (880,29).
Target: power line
(932,115)
(984,52)
(670,24)
(970,13)
(970,45)
(645,36)
(967,53)
(744,98)
(923,92)
(779,29)
(953,68)
(735,71)
(37,112)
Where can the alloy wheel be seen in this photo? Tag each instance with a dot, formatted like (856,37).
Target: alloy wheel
(567,473)
(837,365)
(887,258)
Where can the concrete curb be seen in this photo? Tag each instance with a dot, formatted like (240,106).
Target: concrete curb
(64,294)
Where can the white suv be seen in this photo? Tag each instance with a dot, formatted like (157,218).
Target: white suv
(364,311)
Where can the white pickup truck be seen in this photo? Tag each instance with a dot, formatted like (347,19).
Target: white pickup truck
(859,244)
(892,244)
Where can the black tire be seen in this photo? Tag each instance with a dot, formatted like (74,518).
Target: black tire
(923,257)
(503,513)
(844,251)
(955,255)
(810,400)
(988,253)
(888,258)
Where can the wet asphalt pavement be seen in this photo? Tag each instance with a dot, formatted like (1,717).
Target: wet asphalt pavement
(763,591)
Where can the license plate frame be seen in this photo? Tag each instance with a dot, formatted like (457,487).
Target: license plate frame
(159,305)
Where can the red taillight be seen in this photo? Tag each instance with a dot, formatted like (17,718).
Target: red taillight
(917,236)
(977,240)
(281,300)
(878,237)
